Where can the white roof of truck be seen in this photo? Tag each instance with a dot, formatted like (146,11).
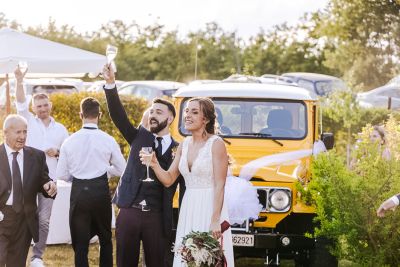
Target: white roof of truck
(246,90)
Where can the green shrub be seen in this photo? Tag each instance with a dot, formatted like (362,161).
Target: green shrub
(342,116)
(373,116)
(347,199)
(66,111)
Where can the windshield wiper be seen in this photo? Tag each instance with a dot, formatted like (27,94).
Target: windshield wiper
(263,135)
(256,134)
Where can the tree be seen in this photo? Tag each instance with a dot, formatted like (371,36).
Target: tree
(218,51)
(174,59)
(285,49)
(346,200)
(365,35)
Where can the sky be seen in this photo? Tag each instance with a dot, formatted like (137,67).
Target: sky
(246,17)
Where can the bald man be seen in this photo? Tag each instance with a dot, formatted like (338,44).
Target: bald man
(23,173)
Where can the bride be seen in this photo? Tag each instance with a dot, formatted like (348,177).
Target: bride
(203,162)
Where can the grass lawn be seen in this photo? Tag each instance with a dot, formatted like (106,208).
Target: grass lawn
(63,255)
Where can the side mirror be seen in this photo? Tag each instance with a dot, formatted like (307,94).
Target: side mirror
(328,140)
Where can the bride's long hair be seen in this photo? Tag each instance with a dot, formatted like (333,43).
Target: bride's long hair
(208,108)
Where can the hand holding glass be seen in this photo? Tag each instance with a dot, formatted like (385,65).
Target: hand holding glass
(23,66)
(111,53)
(147,157)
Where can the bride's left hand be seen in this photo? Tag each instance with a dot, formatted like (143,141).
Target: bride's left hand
(215,229)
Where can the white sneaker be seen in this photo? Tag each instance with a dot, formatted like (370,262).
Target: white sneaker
(37,263)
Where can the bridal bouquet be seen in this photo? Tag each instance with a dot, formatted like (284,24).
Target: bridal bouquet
(200,249)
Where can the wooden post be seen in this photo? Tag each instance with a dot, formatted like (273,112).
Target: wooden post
(8,100)
(389,102)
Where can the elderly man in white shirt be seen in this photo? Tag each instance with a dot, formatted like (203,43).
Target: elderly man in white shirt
(45,134)
(23,173)
(89,156)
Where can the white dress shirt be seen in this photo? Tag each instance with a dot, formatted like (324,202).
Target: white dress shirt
(20,160)
(165,143)
(43,137)
(88,154)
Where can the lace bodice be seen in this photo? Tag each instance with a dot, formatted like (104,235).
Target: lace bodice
(201,175)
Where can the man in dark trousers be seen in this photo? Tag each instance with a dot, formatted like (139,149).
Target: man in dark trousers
(145,207)
(90,156)
(23,173)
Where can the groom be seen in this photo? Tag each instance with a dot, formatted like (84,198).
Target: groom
(145,207)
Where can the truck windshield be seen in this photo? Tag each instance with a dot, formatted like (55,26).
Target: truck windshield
(251,118)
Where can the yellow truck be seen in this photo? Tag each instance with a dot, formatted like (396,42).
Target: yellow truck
(270,130)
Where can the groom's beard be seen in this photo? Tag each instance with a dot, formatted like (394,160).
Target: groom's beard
(159,127)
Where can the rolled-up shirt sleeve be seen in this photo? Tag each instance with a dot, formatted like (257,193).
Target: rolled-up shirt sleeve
(23,108)
(117,161)
(395,199)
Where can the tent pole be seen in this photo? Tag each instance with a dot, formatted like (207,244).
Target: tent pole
(8,100)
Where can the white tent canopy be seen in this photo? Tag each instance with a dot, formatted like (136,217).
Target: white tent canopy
(45,57)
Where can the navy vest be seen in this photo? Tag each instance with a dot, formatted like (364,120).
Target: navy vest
(129,186)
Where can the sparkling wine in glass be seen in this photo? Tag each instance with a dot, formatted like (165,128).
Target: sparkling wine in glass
(23,66)
(111,53)
(148,154)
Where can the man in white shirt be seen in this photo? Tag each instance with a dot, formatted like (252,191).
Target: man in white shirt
(89,156)
(45,134)
(23,173)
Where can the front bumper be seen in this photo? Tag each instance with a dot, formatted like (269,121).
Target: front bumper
(279,241)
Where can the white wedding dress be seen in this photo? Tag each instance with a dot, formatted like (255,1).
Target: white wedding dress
(198,201)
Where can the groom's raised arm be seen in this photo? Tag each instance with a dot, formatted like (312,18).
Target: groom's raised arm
(115,107)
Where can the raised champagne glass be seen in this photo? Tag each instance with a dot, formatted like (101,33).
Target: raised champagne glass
(23,66)
(148,154)
(111,53)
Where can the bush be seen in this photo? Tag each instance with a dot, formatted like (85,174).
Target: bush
(373,116)
(347,199)
(342,115)
(66,111)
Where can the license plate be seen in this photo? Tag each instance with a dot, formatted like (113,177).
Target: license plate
(241,240)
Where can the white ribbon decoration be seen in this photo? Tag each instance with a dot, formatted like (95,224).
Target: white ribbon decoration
(248,170)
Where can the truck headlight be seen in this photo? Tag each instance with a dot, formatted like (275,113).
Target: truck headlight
(279,199)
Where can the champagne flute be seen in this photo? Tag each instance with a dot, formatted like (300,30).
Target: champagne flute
(148,154)
(111,53)
(23,66)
